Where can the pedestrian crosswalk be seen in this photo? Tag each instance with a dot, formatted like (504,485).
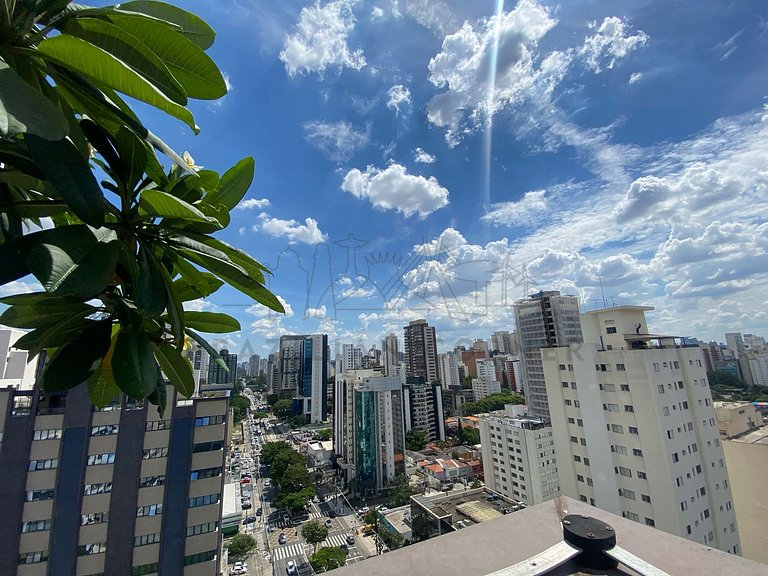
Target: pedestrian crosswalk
(316,515)
(335,540)
(287,551)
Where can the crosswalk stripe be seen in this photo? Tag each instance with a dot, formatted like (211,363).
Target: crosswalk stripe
(287,551)
(335,540)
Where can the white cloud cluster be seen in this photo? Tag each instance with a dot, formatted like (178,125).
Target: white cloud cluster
(321,38)
(399,100)
(253,203)
(393,189)
(434,15)
(525,212)
(611,42)
(307,233)
(337,140)
(423,157)
(318,313)
(360,292)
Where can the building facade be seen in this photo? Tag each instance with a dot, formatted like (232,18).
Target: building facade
(219,377)
(303,374)
(448,370)
(486,383)
(519,456)
(113,491)
(504,342)
(16,370)
(423,407)
(420,350)
(544,320)
(390,355)
(635,430)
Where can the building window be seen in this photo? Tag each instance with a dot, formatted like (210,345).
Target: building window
(106,430)
(611,407)
(150,453)
(637,452)
(646,498)
(617,428)
(149,510)
(624,387)
(43,464)
(153,425)
(145,569)
(210,473)
(88,549)
(95,518)
(621,368)
(100,488)
(607,387)
(36,526)
(33,557)
(619,449)
(209,420)
(202,528)
(629,408)
(50,434)
(629,494)
(203,500)
(641,475)
(145,539)
(36,495)
(208,446)
(565,384)
(650,522)
(624,471)
(199,557)
(631,516)
(149,481)
(97,459)
(610,330)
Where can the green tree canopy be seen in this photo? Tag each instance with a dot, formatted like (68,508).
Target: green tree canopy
(131,240)
(240,545)
(415,439)
(325,434)
(392,540)
(282,409)
(314,532)
(491,403)
(327,559)
(725,378)
(240,405)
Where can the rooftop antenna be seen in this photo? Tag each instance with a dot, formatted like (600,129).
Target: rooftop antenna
(613,301)
(602,293)
(597,302)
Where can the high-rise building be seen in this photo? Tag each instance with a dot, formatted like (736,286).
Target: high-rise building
(735,343)
(420,350)
(351,357)
(390,354)
(369,428)
(113,491)
(469,358)
(635,428)
(423,406)
(519,456)
(486,383)
(15,368)
(220,378)
(504,342)
(303,373)
(544,320)
(480,345)
(253,365)
(448,370)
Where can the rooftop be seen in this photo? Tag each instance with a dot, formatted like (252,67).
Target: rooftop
(759,436)
(514,538)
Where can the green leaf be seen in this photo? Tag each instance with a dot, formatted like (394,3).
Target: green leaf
(186,290)
(100,66)
(211,322)
(53,335)
(133,365)
(129,50)
(25,110)
(157,203)
(193,68)
(233,185)
(175,309)
(192,26)
(215,356)
(159,396)
(13,255)
(242,259)
(70,174)
(75,260)
(137,157)
(149,289)
(75,362)
(101,385)
(176,368)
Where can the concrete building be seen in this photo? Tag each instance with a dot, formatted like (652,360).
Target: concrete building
(486,383)
(504,342)
(351,357)
(423,407)
(544,320)
(220,378)
(469,359)
(519,456)
(448,370)
(420,350)
(113,491)
(635,431)
(303,373)
(254,364)
(390,355)
(736,418)
(735,342)
(369,429)
(16,370)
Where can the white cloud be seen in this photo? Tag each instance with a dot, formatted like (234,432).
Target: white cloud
(525,212)
(635,77)
(399,99)
(423,157)
(253,203)
(307,233)
(393,189)
(434,15)
(345,281)
(321,38)
(319,313)
(20,287)
(377,13)
(366,319)
(198,305)
(337,140)
(261,311)
(448,240)
(358,293)
(611,42)
(227,82)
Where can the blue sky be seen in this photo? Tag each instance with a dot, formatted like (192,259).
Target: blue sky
(399,177)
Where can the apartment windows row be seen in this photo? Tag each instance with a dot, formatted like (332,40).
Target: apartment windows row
(36,526)
(48,464)
(145,569)
(98,459)
(98,488)
(154,425)
(202,528)
(48,434)
(105,430)
(619,429)
(203,500)
(199,557)
(94,548)
(37,495)
(208,446)
(94,518)
(577,458)
(205,473)
(150,481)
(209,420)
(146,539)
(149,510)
(33,557)
(150,453)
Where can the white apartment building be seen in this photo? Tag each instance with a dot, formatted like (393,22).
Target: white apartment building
(635,430)
(519,456)
(16,370)
(448,370)
(486,383)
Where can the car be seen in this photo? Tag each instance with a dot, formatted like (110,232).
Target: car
(350,539)
(328,523)
(246,506)
(249,520)
(383,508)
(245,475)
(270,528)
(364,510)
(331,514)
(290,568)
(245,480)
(281,538)
(258,512)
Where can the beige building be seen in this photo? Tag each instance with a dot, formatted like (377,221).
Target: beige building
(735,418)
(635,430)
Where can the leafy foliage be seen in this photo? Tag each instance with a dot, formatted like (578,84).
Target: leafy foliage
(327,559)
(724,378)
(324,434)
(240,405)
(124,254)
(289,471)
(491,403)
(240,545)
(314,532)
(415,439)
(392,540)
(282,409)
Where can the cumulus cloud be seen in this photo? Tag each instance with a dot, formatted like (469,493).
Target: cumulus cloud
(392,188)
(319,313)
(610,43)
(253,203)
(434,15)
(360,292)
(198,305)
(635,77)
(399,99)
(321,38)
(307,233)
(337,140)
(449,239)
(524,212)
(423,157)
(366,319)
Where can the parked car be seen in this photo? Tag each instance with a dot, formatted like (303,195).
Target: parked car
(258,512)
(350,539)
(246,505)
(281,538)
(245,480)
(364,510)
(331,514)
(383,508)
(249,520)
(328,523)
(290,568)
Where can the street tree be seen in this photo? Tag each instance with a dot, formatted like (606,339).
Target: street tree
(240,545)
(117,240)
(282,409)
(328,558)
(314,533)
(415,439)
